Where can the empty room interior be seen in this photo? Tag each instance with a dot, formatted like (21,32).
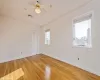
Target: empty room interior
(49,40)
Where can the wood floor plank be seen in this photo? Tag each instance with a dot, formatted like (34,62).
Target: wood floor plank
(42,67)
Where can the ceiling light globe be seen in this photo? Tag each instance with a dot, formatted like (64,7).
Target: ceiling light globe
(37,10)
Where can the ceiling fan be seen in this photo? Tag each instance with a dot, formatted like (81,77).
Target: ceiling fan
(38,7)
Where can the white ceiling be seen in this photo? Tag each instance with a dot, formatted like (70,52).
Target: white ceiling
(19,9)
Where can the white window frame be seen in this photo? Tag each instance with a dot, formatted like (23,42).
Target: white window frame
(80,19)
(48,43)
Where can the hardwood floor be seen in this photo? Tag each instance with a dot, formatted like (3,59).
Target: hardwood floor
(42,67)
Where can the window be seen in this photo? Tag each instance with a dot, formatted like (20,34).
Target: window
(82,31)
(47,37)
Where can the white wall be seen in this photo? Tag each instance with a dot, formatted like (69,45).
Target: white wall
(15,38)
(61,40)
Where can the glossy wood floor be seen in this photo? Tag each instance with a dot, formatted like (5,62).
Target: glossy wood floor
(41,67)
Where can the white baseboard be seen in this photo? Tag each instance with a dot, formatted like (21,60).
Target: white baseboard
(15,58)
(96,73)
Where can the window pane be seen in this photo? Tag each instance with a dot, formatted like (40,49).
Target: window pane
(81,29)
(82,33)
(47,37)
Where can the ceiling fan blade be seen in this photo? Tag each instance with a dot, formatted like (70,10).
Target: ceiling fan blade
(42,6)
(47,8)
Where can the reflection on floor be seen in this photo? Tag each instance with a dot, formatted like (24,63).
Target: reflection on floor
(47,72)
(42,67)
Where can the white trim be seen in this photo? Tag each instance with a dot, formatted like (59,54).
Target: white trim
(36,42)
(76,65)
(90,14)
(82,15)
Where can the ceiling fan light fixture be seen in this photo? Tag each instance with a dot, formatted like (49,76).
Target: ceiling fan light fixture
(37,10)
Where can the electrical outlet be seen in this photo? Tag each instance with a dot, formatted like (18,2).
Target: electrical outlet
(21,52)
(78,58)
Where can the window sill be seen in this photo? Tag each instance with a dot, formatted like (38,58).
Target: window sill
(76,46)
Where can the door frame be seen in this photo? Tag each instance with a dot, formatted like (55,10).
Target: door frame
(36,37)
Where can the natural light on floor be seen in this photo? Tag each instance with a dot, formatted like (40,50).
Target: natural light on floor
(15,75)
